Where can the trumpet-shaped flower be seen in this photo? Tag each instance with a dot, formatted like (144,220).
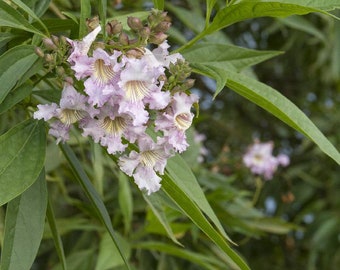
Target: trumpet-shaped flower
(144,165)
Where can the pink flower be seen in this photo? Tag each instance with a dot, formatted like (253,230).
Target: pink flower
(260,161)
(81,48)
(144,165)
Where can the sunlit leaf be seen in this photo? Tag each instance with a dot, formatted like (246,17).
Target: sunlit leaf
(12,18)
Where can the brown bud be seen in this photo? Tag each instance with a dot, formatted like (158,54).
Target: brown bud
(49,58)
(39,52)
(92,23)
(145,32)
(189,83)
(123,39)
(114,27)
(60,71)
(134,23)
(134,53)
(158,38)
(49,44)
(162,26)
(55,40)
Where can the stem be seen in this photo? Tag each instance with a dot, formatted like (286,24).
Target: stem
(259,185)
(191,42)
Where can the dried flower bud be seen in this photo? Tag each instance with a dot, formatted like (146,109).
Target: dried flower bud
(114,27)
(158,38)
(123,39)
(92,23)
(49,44)
(162,26)
(39,52)
(60,71)
(134,23)
(145,32)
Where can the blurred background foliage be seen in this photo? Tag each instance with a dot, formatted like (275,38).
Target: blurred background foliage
(291,222)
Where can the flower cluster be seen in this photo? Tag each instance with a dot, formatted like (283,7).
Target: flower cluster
(260,160)
(124,98)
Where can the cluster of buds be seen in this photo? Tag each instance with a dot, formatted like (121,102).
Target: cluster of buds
(152,31)
(136,106)
(260,160)
(54,54)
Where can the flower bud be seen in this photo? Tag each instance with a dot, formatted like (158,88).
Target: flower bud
(92,23)
(55,40)
(123,39)
(49,58)
(114,27)
(158,38)
(134,23)
(49,44)
(60,71)
(162,26)
(39,52)
(189,83)
(145,32)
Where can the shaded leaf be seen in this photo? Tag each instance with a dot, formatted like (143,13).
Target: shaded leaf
(15,97)
(24,226)
(13,65)
(22,147)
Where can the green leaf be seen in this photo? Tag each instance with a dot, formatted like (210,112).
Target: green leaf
(125,200)
(210,5)
(197,258)
(226,56)
(93,196)
(56,236)
(184,179)
(156,205)
(24,226)
(158,4)
(102,13)
(12,18)
(299,23)
(15,97)
(22,157)
(6,37)
(249,10)
(85,13)
(318,4)
(185,203)
(30,12)
(278,105)
(38,6)
(105,259)
(13,65)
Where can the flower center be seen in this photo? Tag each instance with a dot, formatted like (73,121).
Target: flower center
(103,73)
(69,116)
(149,158)
(136,90)
(183,121)
(114,127)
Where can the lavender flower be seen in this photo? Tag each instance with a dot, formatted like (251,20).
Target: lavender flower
(122,95)
(260,161)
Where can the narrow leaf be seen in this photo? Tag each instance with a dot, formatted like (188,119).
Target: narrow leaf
(85,13)
(24,226)
(185,180)
(13,65)
(30,12)
(155,203)
(12,18)
(125,200)
(158,4)
(278,105)
(93,196)
(102,13)
(22,157)
(318,4)
(56,236)
(189,208)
